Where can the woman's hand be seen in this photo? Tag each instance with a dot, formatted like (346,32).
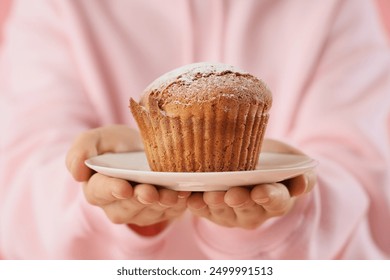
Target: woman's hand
(248,208)
(145,208)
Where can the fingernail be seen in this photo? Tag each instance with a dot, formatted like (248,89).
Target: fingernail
(240,205)
(143,201)
(262,200)
(183,194)
(118,196)
(163,205)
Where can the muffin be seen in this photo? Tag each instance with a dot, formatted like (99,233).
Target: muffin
(203,117)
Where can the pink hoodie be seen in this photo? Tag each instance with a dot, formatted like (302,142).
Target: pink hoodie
(384,12)
(73,65)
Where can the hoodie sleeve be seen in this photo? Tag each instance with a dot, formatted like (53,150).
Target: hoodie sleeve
(339,118)
(43,213)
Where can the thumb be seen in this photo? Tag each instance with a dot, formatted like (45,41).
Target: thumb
(115,139)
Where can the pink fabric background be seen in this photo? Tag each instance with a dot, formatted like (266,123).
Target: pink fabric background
(30,231)
(383,8)
(4,8)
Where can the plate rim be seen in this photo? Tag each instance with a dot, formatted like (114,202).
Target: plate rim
(308,164)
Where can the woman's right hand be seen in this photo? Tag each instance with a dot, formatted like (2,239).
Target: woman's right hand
(145,208)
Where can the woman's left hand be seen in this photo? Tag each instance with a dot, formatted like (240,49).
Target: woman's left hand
(248,208)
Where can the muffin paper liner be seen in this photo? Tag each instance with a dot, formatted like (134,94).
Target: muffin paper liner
(224,135)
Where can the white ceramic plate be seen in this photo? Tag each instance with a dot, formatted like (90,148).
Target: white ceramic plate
(273,167)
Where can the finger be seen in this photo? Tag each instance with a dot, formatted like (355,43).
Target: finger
(84,147)
(248,214)
(183,194)
(215,202)
(101,190)
(145,207)
(197,206)
(146,194)
(142,209)
(118,214)
(274,198)
(301,184)
(220,212)
(117,138)
(196,202)
(167,198)
(131,211)
(238,197)
(179,206)
(296,185)
(214,199)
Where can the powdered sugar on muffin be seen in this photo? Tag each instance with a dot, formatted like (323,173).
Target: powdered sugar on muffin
(203,117)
